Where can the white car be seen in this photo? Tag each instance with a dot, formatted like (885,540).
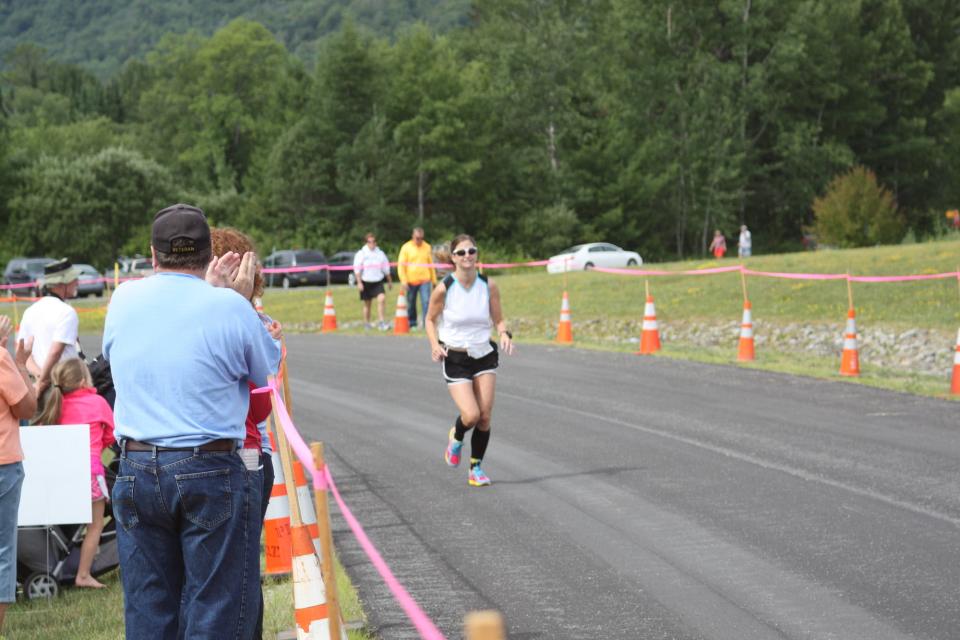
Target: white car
(593,254)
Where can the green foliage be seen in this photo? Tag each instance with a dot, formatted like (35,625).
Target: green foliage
(105,34)
(547,231)
(857,212)
(86,207)
(537,125)
(214,103)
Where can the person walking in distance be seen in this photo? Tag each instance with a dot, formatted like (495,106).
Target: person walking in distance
(462,309)
(184,345)
(416,277)
(745,243)
(372,267)
(719,245)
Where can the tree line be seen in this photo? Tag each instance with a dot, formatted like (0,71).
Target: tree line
(648,123)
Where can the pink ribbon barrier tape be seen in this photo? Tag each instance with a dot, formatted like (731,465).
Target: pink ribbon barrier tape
(423,624)
(648,272)
(322,480)
(797,276)
(933,276)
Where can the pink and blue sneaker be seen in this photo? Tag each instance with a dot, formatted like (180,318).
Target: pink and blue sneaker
(476,477)
(454,446)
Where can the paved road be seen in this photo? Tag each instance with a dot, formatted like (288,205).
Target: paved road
(643,498)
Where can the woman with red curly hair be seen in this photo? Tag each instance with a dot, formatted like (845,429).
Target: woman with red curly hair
(256,444)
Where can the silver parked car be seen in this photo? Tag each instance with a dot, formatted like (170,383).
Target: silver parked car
(90,282)
(593,254)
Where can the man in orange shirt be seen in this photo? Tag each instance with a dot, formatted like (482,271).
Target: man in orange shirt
(416,276)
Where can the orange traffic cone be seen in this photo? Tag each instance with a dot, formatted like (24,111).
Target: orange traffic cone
(309,595)
(565,330)
(329,314)
(850,360)
(276,524)
(308,515)
(401,321)
(649,333)
(745,352)
(955,385)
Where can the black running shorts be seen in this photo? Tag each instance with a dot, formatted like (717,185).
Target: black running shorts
(371,290)
(458,367)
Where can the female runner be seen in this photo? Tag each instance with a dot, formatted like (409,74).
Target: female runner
(458,325)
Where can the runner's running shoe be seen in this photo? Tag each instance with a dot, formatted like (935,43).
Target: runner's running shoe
(477,478)
(454,446)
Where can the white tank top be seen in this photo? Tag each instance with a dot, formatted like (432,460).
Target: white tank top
(465,322)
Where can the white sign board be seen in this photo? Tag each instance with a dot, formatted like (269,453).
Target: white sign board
(56,486)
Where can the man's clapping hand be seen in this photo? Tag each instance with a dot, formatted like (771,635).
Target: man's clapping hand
(233,271)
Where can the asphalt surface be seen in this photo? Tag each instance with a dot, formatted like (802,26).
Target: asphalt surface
(641,498)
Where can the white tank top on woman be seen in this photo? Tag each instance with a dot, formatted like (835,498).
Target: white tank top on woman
(465,322)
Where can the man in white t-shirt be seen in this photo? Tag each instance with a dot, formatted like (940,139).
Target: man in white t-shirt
(372,267)
(745,244)
(52,323)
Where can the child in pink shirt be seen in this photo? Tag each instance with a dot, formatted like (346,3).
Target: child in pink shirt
(73,400)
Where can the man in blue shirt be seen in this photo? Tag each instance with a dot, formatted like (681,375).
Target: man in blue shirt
(181,352)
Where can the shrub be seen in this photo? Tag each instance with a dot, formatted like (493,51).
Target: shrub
(857,212)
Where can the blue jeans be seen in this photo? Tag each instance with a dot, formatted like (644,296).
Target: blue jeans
(424,291)
(268,476)
(189,556)
(11,481)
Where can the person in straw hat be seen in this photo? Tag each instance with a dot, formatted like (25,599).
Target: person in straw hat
(52,323)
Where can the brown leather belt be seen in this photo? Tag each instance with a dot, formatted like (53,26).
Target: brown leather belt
(224,444)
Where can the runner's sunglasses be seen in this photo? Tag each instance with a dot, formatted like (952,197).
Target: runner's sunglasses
(463,252)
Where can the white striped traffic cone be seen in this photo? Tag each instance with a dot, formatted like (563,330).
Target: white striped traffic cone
(745,352)
(565,328)
(850,360)
(309,594)
(401,321)
(955,385)
(650,331)
(329,314)
(276,523)
(308,514)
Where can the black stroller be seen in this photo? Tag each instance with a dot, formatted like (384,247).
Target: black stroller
(49,556)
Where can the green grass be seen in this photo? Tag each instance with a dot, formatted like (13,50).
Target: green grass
(599,301)
(85,614)
(532,302)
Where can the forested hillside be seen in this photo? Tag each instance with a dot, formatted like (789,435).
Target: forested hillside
(539,124)
(101,35)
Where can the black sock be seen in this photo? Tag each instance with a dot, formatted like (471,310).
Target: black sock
(478,446)
(460,430)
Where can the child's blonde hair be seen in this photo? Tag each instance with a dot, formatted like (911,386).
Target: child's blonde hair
(67,375)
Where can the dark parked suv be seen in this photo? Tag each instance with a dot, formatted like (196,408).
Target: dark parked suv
(23,270)
(341,276)
(292,258)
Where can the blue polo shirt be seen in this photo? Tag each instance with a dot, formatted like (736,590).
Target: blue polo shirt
(181,352)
